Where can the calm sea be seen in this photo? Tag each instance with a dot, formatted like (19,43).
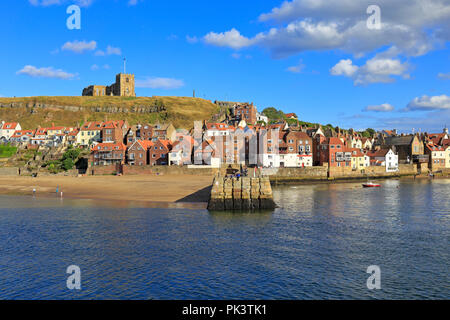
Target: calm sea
(316,245)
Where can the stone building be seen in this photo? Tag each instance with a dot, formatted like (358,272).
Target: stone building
(123,87)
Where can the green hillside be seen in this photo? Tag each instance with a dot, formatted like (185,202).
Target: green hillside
(71,111)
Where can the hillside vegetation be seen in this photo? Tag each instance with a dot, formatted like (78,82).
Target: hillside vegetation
(71,111)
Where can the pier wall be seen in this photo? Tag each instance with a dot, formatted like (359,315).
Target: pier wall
(243,193)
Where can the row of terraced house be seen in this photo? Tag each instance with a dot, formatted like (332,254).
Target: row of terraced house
(236,141)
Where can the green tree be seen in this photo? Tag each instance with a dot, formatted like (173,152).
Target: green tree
(67,164)
(273,114)
(371,131)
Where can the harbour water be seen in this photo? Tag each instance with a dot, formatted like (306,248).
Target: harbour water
(316,245)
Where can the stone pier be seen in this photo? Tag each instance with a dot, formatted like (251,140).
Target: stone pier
(241,194)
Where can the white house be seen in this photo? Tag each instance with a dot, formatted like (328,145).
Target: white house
(261,117)
(7,129)
(387,158)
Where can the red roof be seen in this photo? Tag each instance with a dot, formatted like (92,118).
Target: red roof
(146,144)
(219,126)
(10,125)
(333,140)
(290,115)
(20,133)
(165,143)
(93,125)
(379,153)
(434,147)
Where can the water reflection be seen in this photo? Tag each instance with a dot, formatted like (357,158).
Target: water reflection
(317,244)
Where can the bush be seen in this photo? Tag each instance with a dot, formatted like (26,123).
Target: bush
(7,151)
(67,164)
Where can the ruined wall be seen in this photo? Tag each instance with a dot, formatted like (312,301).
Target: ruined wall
(32,107)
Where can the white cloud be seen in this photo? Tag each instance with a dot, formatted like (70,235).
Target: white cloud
(376,70)
(236,55)
(344,68)
(385,107)
(159,83)
(232,39)
(444,76)
(429,103)
(296,69)
(191,39)
(109,51)
(413,27)
(46,3)
(79,46)
(48,72)
(133,2)
(95,67)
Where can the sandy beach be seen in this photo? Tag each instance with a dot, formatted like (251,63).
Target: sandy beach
(149,188)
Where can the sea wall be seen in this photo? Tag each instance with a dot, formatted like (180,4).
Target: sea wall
(281,175)
(143,170)
(243,193)
(9,171)
(323,173)
(372,171)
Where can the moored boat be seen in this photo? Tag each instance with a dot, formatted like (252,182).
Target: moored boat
(371,185)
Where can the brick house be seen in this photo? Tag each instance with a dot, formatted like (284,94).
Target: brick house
(138,153)
(334,152)
(245,112)
(298,150)
(145,132)
(114,131)
(104,154)
(164,132)
(159,152)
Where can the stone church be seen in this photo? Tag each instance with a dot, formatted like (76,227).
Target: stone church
(123,87)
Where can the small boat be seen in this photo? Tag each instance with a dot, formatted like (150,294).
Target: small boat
(371,185)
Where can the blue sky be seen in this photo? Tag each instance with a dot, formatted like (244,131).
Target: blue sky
(321,62)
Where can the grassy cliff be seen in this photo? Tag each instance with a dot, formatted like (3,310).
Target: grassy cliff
(71,111)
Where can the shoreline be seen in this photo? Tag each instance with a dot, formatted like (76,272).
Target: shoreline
(149,190)
(156,191)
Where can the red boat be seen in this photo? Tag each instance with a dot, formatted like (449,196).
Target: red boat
(371,185)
